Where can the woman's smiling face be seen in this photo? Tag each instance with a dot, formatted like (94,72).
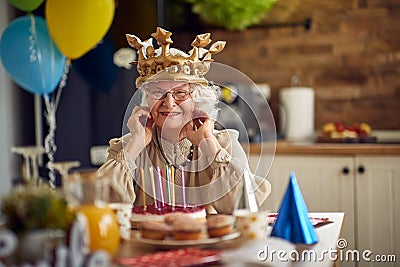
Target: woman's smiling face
(170,103)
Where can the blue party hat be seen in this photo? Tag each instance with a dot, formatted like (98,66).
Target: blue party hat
(293,223)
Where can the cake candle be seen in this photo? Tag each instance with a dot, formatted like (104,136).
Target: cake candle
(183,187)
(168,175)
(173,185)
(161,186)
(153,186)
(143,191)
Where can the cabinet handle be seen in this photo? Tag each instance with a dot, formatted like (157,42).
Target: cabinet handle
(345,170)
(361,169)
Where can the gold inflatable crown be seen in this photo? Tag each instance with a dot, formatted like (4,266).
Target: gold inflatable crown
(191,67)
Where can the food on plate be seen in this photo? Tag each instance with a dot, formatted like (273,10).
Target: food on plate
(181,223)
(339,127)
(219,225)
(328,127)
(338,130)
(365,129)
(155,230)
(188,229)
(178,216)
(153,213)
(343,134)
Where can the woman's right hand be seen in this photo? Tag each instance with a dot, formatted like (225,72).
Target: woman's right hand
(140,125)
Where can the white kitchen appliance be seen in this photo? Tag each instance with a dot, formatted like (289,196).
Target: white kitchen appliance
(296,114)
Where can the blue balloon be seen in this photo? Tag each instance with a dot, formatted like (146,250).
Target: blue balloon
(30,55)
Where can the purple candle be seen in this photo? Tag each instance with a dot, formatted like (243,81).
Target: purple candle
(160,185)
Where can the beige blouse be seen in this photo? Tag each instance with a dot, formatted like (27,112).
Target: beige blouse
(214,182)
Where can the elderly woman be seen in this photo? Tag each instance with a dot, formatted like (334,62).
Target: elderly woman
(173,128)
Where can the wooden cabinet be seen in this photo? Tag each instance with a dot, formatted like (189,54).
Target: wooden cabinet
(364,187)
(377,193)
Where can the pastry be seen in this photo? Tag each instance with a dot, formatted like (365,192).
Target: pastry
(188,229)
(155,230)
(152,213)
(219,225)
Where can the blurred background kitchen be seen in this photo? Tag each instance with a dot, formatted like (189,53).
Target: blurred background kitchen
(347,51)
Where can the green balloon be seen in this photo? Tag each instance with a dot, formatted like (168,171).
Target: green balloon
(26,5)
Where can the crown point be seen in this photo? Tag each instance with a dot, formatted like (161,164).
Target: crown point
(162,36)
(134,41)
(217,47)
(202,40)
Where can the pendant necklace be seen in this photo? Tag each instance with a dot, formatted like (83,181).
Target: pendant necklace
(176,166)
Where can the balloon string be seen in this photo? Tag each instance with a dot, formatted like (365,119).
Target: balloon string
(53,60)
(49,143)
(63,81)
(50,115)
(35,54)
(34,48)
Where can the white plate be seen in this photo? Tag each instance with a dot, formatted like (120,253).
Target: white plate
(171,243)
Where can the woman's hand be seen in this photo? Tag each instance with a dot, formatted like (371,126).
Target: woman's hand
(199,128)
(140,125)
(199,131)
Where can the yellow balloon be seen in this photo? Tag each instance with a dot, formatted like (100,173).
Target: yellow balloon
(78,25)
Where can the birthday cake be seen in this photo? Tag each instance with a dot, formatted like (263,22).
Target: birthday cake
(153,213)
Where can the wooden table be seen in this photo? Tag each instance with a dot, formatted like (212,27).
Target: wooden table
(239,252)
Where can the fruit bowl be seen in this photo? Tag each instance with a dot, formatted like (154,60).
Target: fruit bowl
(339,133)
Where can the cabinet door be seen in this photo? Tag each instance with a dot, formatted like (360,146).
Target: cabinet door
(324,184)
(378,204)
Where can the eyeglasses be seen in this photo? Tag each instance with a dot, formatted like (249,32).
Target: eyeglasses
(179,94)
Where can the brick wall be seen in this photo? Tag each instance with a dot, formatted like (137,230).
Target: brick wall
(350,55)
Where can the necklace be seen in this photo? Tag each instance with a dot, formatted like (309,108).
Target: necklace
(176,166)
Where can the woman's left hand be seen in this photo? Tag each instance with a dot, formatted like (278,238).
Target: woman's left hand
(199,128)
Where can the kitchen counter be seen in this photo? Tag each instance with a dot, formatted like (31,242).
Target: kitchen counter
(285,147)
(388,144)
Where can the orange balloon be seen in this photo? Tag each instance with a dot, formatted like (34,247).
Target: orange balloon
(78,25)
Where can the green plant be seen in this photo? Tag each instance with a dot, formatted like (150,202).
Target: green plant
(232,14)
(35,207)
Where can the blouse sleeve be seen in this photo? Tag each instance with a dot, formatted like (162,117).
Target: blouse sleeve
(117,169)
(228,166)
